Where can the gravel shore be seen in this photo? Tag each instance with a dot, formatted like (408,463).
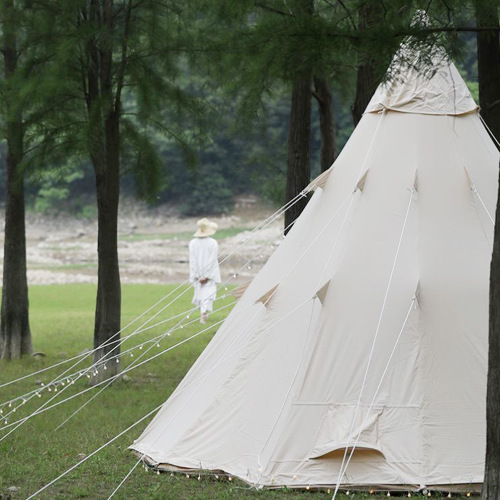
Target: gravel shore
(153,244)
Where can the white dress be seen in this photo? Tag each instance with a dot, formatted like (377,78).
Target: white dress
(203,263)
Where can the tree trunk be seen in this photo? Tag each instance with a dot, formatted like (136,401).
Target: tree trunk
(491,485)
(299,133)
(108,303)
(488,65)
(367,77)
(106,161)
(15,334)
(488,59)
(298,173)
(323,96)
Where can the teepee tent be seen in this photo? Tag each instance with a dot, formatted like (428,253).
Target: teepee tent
(358,354)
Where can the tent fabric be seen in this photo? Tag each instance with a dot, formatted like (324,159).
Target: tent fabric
(391,362)
(411,90)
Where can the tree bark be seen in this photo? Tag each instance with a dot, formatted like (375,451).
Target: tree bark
(323,96)
(367,77)
(298,172)
(488,65)
(299,133)
(488,59)
(108,302)
(491,485)
(15,334)
(104,110)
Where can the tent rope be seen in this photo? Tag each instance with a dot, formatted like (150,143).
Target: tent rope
(372,350)
(94,453)
(237,246)
(122,482)
(473,188)
(475,191)
(412,304)
(44,408)
(108,356)
(383,113)
(204,376)
(292,383)
(492,135)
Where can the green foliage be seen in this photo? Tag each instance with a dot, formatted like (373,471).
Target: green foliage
(211,194)
(201,91)
(69,112)
(54,188)
(147,168)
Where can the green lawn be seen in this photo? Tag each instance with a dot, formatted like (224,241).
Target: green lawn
(36,453)
(221,234)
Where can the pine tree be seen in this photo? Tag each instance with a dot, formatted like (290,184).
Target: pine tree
(271,44)
(109,68)
(488,55)
(323,94)
(15,334)
(369,68)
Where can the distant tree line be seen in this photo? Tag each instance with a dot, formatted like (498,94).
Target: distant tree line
(236,158)
(233,160)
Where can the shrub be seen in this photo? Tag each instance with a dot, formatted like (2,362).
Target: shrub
(210,196)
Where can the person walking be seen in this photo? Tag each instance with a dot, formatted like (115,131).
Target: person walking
(204,270)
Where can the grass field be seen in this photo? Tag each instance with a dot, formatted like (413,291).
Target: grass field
(36,453)
(221,234)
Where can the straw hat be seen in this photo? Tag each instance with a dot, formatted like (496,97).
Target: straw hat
(205,228)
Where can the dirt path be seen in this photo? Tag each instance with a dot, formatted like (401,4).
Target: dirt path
(153,244)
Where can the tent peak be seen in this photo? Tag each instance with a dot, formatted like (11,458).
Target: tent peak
(422,80)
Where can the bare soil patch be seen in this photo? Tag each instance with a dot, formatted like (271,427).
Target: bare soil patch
(153,244)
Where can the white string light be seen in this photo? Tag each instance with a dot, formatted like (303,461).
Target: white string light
(95,372)
(117,360)
(203,377)
(45,408)
(139,330)
(144,353)
(369,149)
(238,245)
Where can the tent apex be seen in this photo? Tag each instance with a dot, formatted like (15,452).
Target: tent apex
(424,82)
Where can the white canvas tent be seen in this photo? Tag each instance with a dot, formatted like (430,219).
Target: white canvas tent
(367,328)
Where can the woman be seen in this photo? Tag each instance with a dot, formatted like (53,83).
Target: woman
(204,270)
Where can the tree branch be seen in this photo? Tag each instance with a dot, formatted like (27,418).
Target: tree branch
(349,15)
(123,62)
(272,9)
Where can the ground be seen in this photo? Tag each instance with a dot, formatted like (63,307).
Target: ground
(153,244)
